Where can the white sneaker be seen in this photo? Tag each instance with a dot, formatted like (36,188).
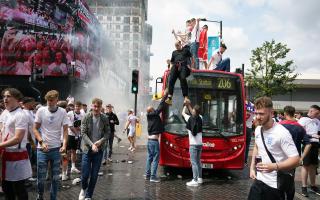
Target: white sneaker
(78,151)
(75,170)
(32,179)
(87,199)
(192,183)
(76,181)
(133,149)
(200,180)
(110,159)
(129,148)
(82,194)
(64,177)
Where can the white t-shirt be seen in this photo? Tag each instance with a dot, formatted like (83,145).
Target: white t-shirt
(30,115)
(215,59)
(11,121)
(195,33)
(17,119)
(51,125)
(133,120)
(73,116)
(280,144)
(311,126)
(193,140)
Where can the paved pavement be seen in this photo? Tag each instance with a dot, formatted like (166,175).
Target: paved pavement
(122,180)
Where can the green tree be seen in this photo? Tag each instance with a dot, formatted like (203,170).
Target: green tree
(270,72)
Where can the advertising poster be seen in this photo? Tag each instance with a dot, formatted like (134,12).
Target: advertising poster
(213,45)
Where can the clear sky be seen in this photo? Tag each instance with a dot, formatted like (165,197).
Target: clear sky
(246,25)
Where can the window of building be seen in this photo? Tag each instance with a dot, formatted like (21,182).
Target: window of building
(100,17)
(135,20)
(117,44)
(136,36)
(135,54)
(118,19)
(118,27)
(126,28)
(135,46)
(126,45)
(135,63)
(126,20)
(126,36)
(136,29)
(117,35)
(109,18)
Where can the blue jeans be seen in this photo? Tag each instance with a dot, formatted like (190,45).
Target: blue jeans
(90,166)
(224,65)
(152,158)
(195,155)
(43,158)
(194,46)
(248,140)
(109,144)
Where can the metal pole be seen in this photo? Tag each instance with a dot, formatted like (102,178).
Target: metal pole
(135,103)
(243,70)
(220,30)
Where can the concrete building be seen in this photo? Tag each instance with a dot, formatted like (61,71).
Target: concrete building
(305,95)
(124,21)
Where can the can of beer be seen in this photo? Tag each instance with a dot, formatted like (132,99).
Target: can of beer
(258,159)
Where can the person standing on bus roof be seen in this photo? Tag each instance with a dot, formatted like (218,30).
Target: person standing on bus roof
(194,46)
(217,63)
(179,69)
(155,128)
(277,139)
(194,127)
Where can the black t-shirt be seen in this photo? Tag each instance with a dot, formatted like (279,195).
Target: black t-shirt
(180,56)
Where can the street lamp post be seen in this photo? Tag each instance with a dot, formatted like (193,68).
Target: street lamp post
(214,21)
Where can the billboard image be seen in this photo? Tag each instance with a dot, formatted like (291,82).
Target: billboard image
(45,37)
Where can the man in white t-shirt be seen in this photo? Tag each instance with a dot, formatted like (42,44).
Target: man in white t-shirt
(310,162)
(281,146)
(217,63)
(130,126)
(75,117)
(51,119)
(194,127)
(28,105)
(15,159)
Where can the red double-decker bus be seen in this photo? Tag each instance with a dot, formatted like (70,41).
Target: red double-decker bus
(222,100)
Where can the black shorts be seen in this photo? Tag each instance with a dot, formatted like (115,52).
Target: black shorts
(72,143)
(312,157)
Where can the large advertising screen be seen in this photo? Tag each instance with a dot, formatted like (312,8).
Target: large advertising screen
(42,36)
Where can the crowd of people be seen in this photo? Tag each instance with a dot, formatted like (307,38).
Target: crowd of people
(39,141)
(283,141)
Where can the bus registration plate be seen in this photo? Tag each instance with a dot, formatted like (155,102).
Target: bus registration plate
(207,166)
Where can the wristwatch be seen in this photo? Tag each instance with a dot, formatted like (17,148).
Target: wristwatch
(40,142)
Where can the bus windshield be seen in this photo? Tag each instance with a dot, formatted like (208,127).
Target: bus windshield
(221,109)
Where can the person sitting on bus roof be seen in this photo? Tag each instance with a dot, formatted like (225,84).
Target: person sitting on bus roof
(194,127)
(179,69)
(217,63)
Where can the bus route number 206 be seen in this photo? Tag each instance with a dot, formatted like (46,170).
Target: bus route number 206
(224,83)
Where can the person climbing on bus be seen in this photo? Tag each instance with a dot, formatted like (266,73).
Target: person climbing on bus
(179,69)
(216,61)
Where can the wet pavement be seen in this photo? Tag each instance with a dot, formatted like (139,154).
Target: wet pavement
(121,180)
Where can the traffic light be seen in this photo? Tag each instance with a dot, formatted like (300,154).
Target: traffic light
(135,81)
